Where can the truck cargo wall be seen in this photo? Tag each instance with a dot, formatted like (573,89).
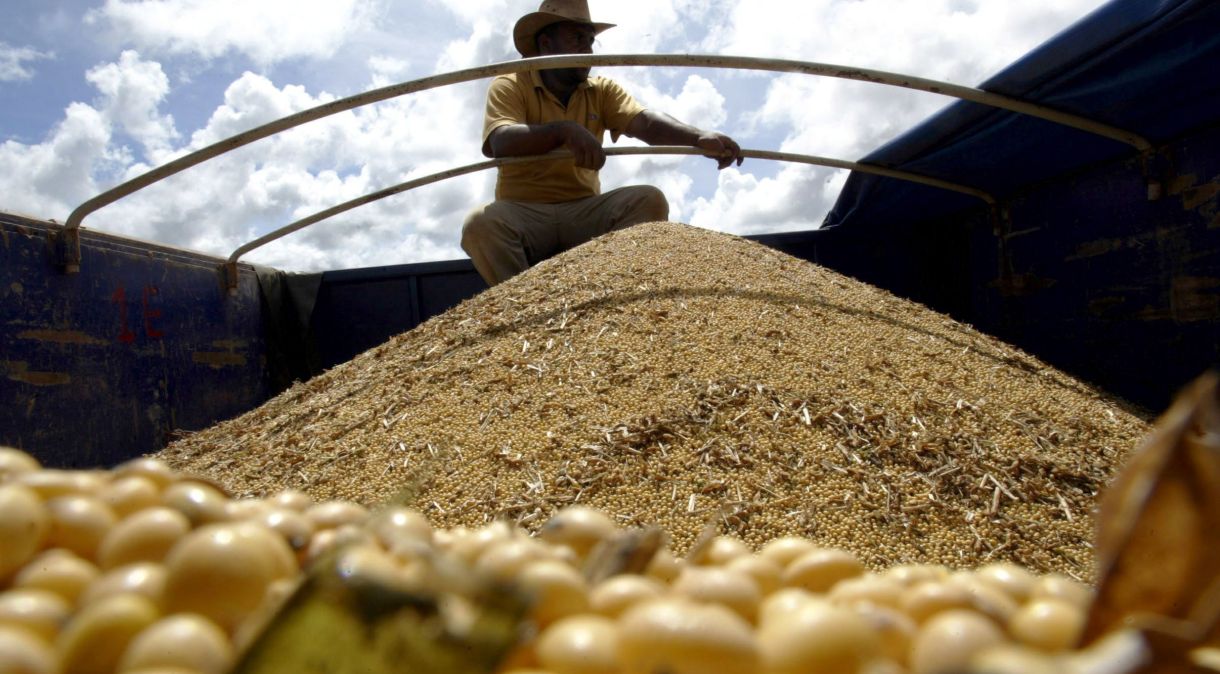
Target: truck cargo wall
(1088,273)
(102,365)
(358,309)
(1120,289)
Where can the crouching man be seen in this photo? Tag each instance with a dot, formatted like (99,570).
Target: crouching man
(545,207)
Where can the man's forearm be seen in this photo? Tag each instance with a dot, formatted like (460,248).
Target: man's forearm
(521,140)
(658,128)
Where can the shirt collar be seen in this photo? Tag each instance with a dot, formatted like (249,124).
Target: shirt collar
(536,79)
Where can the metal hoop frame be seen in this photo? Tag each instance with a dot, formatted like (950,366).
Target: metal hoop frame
(69,245)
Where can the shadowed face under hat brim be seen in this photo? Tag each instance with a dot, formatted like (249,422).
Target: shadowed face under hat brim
(528,26)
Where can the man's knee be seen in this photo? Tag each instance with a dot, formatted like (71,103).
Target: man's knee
(643,203)
(653,204)
(478,228)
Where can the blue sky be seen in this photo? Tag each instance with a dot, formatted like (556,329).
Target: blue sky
(97,91)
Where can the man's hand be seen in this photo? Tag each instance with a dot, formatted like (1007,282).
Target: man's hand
(658,128)
(584,147)
(719,147)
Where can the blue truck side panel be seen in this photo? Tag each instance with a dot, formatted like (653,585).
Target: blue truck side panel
(1086,273)
(106,364)
(1121,290)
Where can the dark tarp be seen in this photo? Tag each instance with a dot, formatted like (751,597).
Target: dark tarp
(1148,66)
(288,302)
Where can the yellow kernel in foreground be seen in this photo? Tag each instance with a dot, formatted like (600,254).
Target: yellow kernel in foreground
(871,589)
(584,644)
(579,528)
(893,628)
(783,550)
(129,495)
(58,571)
(24,523)
(79,523)
(398,525)
(201,503)
(723,550)
(817,638)
(23,653)
(146,467)
(1057,586)
(39,611)
(949,641)
(146,579)
(186,640)
(1011,579)
(927,599)
(333,514)
(765,572)
(14,462)
(819,570)
(222,571)
(730,589)
(779,604)
(94,640)
(557,589)
(1048,624)
(615,595)
(50,484)
(679,636)
(146,536)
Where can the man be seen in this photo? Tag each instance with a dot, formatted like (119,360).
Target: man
(545,207)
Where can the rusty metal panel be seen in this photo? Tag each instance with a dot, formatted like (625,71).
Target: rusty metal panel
(110,363)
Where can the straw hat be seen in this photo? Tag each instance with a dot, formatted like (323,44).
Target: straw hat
(551,11)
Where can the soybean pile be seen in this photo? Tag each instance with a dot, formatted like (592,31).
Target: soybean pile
(140,570)
(673,376)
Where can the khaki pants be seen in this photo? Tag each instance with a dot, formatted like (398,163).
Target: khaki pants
(504,238)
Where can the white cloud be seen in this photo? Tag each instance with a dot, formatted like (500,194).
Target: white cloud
(961,41)
(251,101)
(471,12)
(388,70)
(51,178)
(13,62)
(640,26)
(699,102)
(266,31)
(744,204)
(225,202)
(132,89)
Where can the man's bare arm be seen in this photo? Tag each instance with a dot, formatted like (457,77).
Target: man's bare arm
(658,128)
(519,140)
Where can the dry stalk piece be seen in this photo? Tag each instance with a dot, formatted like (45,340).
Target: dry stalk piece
(1158,552)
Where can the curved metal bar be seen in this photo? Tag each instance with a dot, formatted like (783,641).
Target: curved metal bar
(567,61)
(614,151)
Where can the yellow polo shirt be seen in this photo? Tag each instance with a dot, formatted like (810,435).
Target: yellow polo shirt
(599,104)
